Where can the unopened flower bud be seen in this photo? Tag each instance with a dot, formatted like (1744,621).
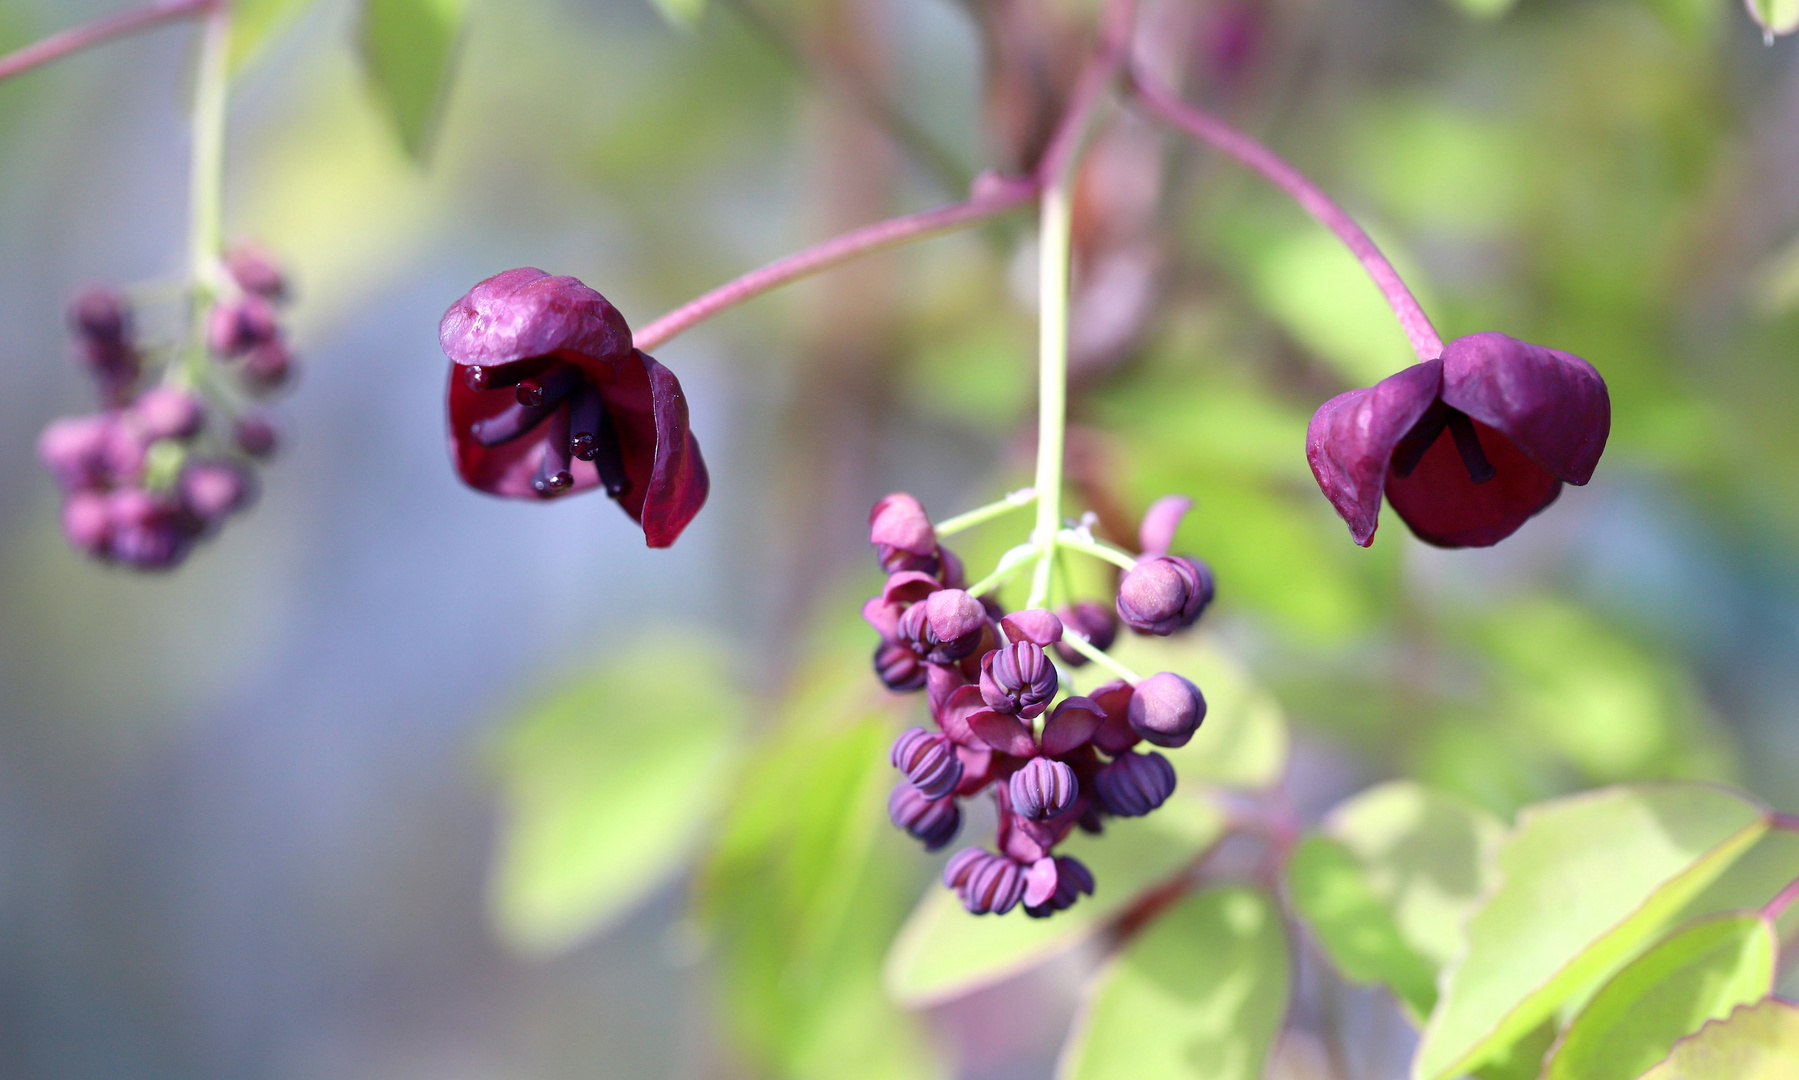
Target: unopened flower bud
(101,322)
(932,821)
(1166,709)
(268,368)
(85,522)
(146,530)
(1134,784)
(1036,625)
(256,272)
(945,626)
(898,667)
(1053,884)
(255,434)
(213,490)
(164,412)
(902,535)
(238,325)
(1164,594)
(929,762)
(1043,788)
(1096,622)
(74,448)
(962,864)
(993,886)
(1018,678)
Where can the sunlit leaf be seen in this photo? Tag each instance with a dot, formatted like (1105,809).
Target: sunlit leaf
(1586,881)
(1388,884)
(944,953)
(1199,994)
(255,23)
(1759,1042)
(682,13)
(606,785)
(1484,9)
(1775,16)
(409,50)
(1698,973)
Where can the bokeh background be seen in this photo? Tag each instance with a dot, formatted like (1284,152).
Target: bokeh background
(249,811)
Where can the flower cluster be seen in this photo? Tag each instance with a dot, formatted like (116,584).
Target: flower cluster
(162,465)
(992,680)
(549,397)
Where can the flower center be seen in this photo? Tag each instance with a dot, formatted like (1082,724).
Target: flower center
(1429,429)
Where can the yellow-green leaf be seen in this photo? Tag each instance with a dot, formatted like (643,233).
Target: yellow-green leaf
(1759,1042)
(1775,16)
(254,23)
(409,50)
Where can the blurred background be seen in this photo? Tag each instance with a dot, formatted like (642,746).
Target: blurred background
(250,811)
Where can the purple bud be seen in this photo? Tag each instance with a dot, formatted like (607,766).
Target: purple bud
(929,762)
(1156,534)
(993,886)
(945,626)
(1054,884)
(902,535)
(1134,784)
(101,322)
(146,530)
(236,326)
(74,448)
(933,821)
(268,368)
(1166,709)
(212,490)
(962,864)
(256,272)
(1096,622)
(255,434)
(898,667)
(1164,594)
(86,524)
(1018,679)
(164,412)
(1042,789)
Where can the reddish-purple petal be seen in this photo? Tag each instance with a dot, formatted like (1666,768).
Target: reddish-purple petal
(1446,508)
(1160,522)
(667,480)
(526,313)
(1003,732)
(1072,724)
(1039,626)
(1552,405)
(952,718)
(1351,439)
(505,470)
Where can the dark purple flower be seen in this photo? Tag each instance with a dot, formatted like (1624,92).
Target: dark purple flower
(898,667)
(1134,784)
(1166,709)
(548,397)
(1071,726)
(240,324)
(1018,678)
(255,434)
(1163,594)
(1053,884)
(990,884)
(101,321)
(902,535)
(1115,734)
(267,369)
(148,532)
(945,626)
(1466,447)
(1096,622)
(929,762)
(932,821)
(1042,788)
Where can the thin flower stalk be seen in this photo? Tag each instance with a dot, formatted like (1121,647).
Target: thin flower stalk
(77,38)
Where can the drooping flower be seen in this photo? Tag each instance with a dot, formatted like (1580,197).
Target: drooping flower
(1467,447)
(548,397)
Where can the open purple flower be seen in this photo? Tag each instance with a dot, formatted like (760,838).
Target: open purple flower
(548,397)
(1467,447)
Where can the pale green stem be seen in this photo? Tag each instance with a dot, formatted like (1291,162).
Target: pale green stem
(982,514)
(1054,232)
(206,180)
(1080,644)
(1009,564)
(1074,541)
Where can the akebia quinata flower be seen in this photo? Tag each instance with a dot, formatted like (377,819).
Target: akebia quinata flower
(548,397)
(1467,447)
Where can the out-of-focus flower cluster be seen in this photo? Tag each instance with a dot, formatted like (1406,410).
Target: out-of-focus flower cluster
(165,461)
(992,679)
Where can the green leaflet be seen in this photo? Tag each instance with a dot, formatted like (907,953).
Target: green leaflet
(606,784)
(409,50)
(1696,974)
(254,23)
(1389,882)
(1759,1042)
(943,952)
(1198,994)
(1586,881)
(1775,16)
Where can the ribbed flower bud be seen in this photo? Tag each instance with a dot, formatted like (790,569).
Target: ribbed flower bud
(898,667)
(1053,884)
(1164,594)
(1166,709)
(1018,678)
(993,885)
(1095,621)
(962,864)
(902,535)
(932,821)
(945,626)
(1042,788)
(163,412)
(928,760)
(1134,784)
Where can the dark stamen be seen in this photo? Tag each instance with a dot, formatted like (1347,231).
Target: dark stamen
(609,457)
(1410,450)
(508,424)
(553,385)
(1467,444)
(553,475)
(585,414)
(495,376)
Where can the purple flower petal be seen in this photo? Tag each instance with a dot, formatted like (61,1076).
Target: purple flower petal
(1352,437)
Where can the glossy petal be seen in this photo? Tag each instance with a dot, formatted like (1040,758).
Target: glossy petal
(1552,405)
(1007,734)
(1446,508)
(526,313)
(1071,725)
(1352,437)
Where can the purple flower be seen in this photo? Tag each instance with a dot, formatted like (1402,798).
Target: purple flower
(256,272)
(929,762)
(1164,593)
(932,821)
(548,397)
(101,322)
(1134,784)
(1467,447)
(1096,621)
(1043,788)
(944,627)
(987,883)
(898,667)
(1166,709)
(902,535)
(1018,678)
(1053,884)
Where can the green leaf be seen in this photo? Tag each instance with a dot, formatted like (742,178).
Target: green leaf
(1389,883)
(606,784)
(1698,973)
(1484,9)
(682,13)
(1585,882)
(255,23)
(409,50)
(1775,16)
(1200,993)
(944,953)
(1321,295)
(1243,741)
(1760,1042)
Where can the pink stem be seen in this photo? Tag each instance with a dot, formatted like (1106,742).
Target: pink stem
(1090,86)
(1204,126)
(77,38)
(1782,900)
(992,196)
